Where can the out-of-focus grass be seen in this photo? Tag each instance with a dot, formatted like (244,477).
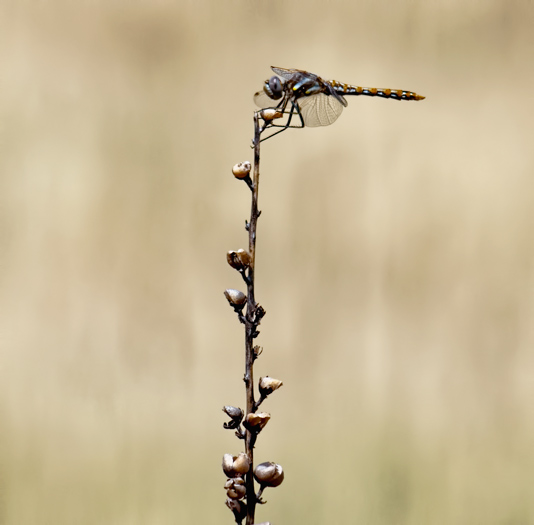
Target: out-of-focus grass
(395,261)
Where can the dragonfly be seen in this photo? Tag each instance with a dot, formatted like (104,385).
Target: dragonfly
(316,102)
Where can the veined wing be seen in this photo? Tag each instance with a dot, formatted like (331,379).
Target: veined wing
(286,73)
(319,110)
(295,74)
(262,100)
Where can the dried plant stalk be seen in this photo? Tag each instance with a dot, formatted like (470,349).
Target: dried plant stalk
(250,325)
(314,102)
(240,469)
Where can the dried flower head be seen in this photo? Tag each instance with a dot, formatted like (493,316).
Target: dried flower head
(269,474)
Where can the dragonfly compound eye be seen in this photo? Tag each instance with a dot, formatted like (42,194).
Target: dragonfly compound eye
(273,88)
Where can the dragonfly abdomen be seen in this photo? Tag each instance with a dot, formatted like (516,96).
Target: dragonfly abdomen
(397,94)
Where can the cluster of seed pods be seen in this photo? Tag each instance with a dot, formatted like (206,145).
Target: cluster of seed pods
(239,469)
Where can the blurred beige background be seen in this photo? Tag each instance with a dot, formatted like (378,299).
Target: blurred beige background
(395,262)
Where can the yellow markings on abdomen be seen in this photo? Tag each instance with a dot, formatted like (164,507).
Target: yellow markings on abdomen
(397,94)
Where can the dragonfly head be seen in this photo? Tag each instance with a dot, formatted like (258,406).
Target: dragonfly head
(273,88)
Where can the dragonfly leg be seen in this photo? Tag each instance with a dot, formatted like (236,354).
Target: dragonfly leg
(297,111)
(275,133)
(294,110)
(283,126)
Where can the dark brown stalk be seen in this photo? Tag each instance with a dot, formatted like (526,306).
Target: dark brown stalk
(251,324)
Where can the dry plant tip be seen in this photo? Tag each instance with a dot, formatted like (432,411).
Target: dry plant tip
(270,114)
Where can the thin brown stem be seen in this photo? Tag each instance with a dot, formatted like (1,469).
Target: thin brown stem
(251,324)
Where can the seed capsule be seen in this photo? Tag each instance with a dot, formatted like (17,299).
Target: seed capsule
(233,412)
(236,298)
(241,169)
(234,466)
(235,488)
(268,385)
(255,422)
(236,416)
(239,260)
(270,114)
(238,508)
(228,465)
(269,474)
(242,463)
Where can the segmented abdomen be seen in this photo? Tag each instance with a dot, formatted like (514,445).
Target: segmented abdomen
(398,94)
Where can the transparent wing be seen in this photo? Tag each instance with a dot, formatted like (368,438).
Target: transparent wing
(262,100)
(286,73)
(319,110)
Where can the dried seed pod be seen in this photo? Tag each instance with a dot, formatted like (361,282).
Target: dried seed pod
(239,260)
(268,385)
(239,509)
(228,465)
(236,298)
(270,114)
(269,474)
(234,466)
(244,257)
(241,463)
(241,169)
(235,488)
(236,492)
(236,415)
(256,421)
(234,412)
